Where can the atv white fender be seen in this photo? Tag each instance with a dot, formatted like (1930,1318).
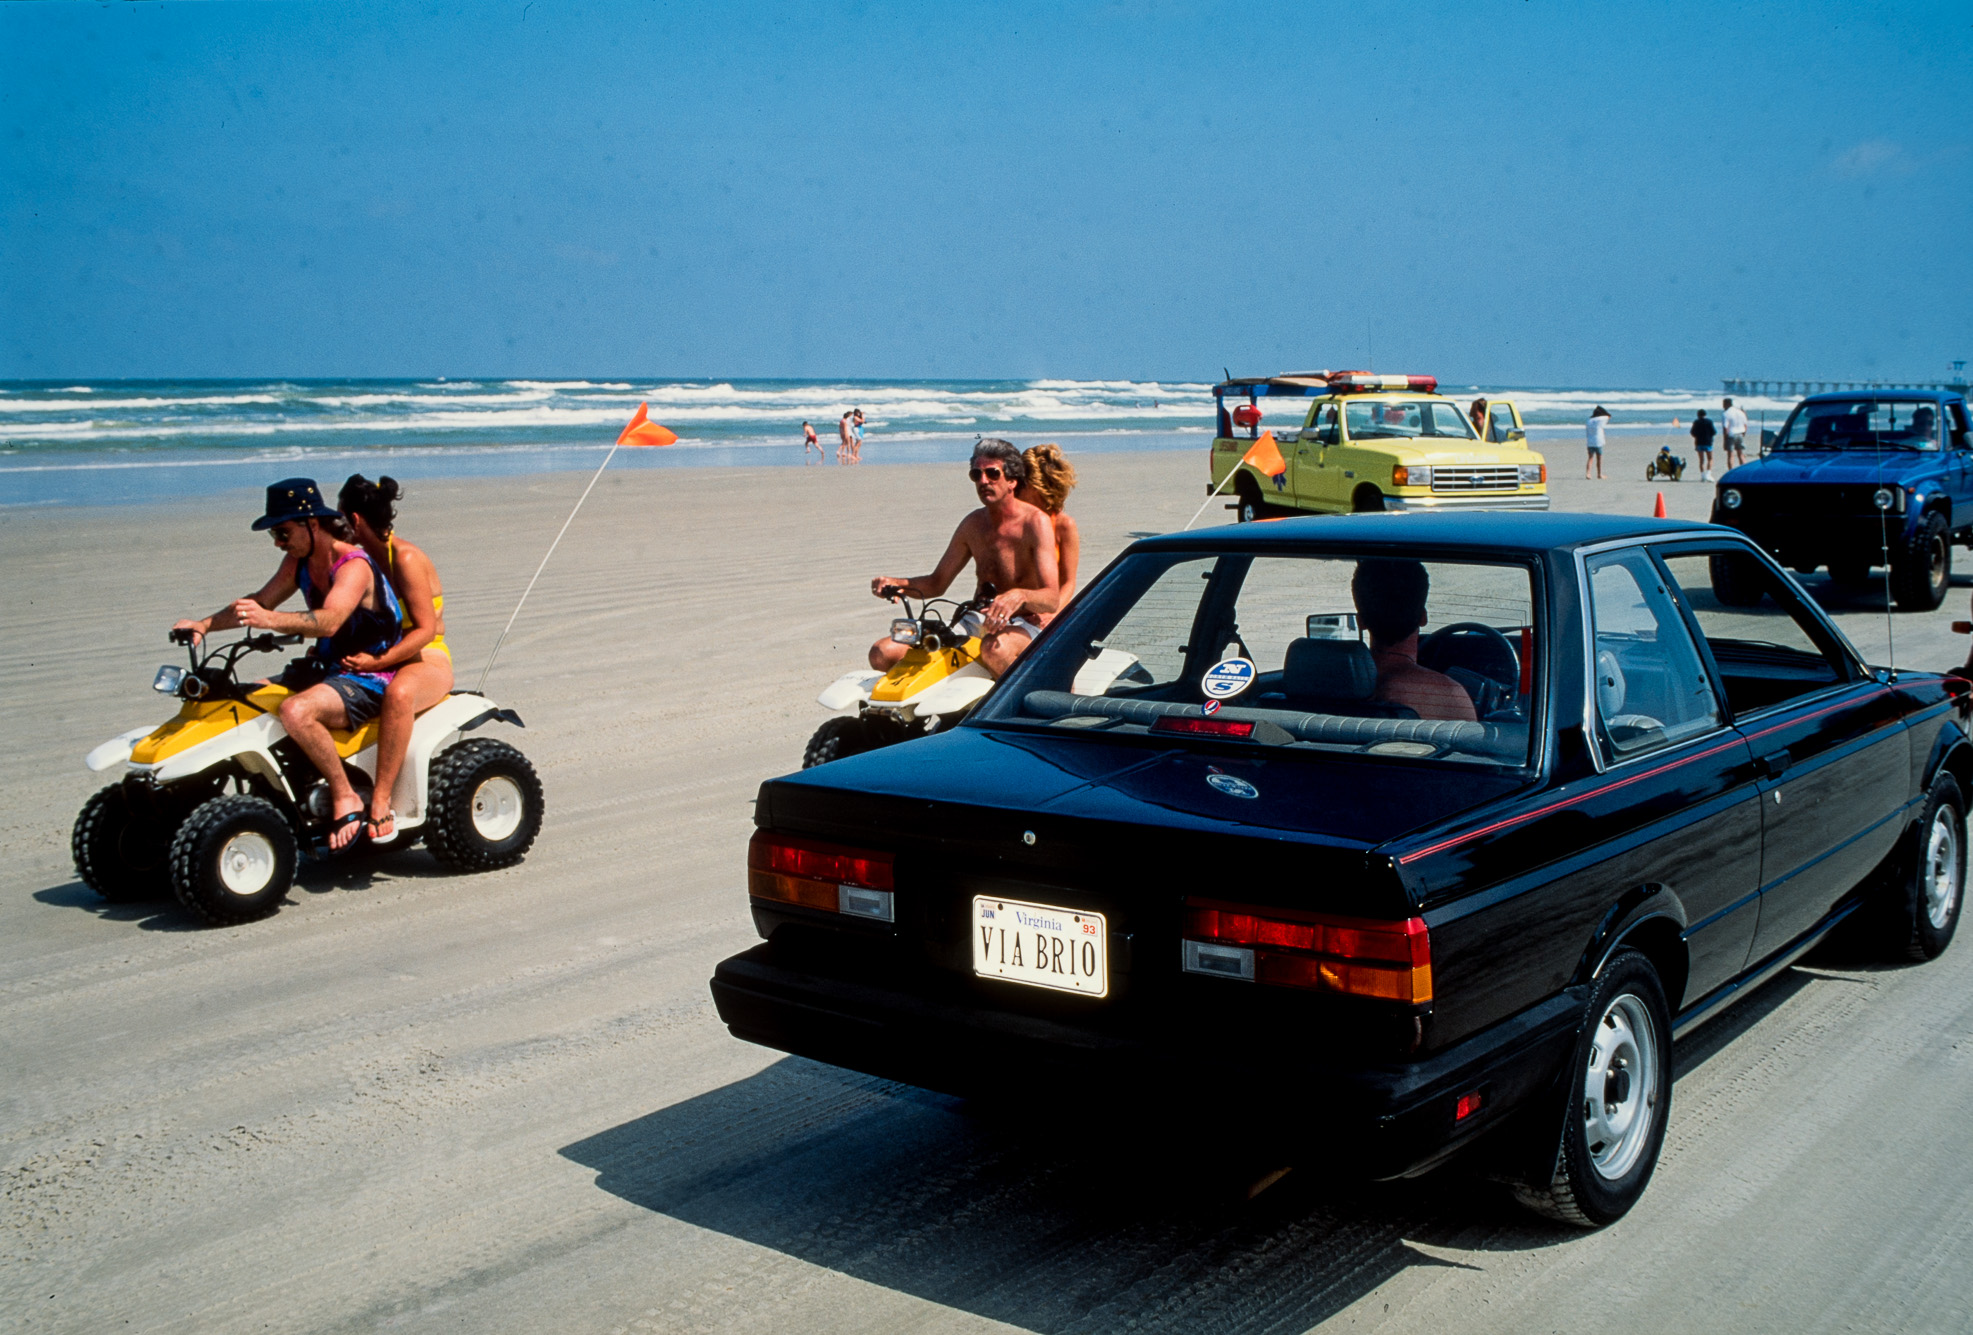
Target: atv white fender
(117,749)
(429,734)
(848,690)
(952,694)
(1099,673)
(251,743)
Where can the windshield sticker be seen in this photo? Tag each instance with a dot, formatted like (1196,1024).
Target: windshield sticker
(1227,678)
(1231,786)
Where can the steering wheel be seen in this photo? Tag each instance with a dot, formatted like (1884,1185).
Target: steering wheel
(1498,659)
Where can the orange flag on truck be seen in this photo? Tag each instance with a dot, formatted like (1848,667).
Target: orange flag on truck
(643,431)
(1266,456)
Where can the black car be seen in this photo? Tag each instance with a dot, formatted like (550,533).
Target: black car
(1400,831)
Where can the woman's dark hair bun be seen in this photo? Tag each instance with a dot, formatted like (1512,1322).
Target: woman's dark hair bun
(375,501)
(388,489)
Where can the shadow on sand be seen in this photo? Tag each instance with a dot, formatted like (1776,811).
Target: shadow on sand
(1055,1224)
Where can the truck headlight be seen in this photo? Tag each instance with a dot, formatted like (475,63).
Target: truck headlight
(1730,499)
(1411,475)
(168,679)
(904,631)
(1533,475)
(1884,498)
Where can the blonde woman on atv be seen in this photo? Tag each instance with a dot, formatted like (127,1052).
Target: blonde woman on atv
(421,660)
(1051,477)
(1012,547)
(351,610)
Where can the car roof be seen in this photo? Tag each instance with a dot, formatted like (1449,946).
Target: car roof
(1886,392)
(1482,531)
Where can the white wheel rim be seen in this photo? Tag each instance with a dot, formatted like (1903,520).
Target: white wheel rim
(497,808)
(246,863)
(1941,870)
(1620,1087)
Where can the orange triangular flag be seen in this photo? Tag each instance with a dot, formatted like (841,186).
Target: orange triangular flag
(1265,456)
(643,431)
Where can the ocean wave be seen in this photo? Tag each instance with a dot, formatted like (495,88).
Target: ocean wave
(107,405)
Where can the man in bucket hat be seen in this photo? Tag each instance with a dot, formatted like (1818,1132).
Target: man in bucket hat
(351,609)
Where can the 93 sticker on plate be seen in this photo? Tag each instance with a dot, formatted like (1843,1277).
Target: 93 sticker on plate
(1041,945)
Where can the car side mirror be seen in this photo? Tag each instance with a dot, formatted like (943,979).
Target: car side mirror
(1767,440)
(1517,434)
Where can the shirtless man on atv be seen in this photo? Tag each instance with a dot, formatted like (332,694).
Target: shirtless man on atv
(351,610)
(1012,547)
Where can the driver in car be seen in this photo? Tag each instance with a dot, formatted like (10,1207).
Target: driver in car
(1390,604)
(351,609)
(1012,547)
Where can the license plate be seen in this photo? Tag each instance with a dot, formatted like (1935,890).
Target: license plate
(1041,945)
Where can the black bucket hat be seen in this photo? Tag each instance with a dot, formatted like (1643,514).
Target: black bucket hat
(291,499)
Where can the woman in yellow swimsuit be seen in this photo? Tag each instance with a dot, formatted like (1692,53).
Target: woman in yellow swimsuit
(421,662)
(1051,477)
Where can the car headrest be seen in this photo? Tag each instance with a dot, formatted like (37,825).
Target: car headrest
(1337,669)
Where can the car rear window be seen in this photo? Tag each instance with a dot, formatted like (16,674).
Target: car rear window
(1423,660)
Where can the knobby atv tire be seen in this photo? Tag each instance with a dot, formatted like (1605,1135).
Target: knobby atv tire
(837,738)
(1921,573)
(1567,1185)
(459,782)
(122,854)
(233,860)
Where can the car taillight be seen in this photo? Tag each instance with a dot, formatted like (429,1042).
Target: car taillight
(1363,957)
(1204,727)
(791,870)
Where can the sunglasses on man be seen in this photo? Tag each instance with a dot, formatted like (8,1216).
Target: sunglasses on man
(990,474)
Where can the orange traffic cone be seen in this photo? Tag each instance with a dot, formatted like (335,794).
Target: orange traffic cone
(1658,510)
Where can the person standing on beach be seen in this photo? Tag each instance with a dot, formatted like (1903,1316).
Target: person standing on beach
(1598,419)
(1011,546)
(843,439)
(856,436)
(1703,431)
(810,442)
(1733,425)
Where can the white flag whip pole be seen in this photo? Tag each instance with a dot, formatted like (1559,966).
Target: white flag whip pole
(1267,439)
(641,431)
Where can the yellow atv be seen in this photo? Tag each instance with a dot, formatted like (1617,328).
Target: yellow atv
(218,803)
(934,686)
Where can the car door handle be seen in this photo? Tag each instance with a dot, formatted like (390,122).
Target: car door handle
(1772,765)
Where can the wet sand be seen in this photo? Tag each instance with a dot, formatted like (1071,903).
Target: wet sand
(422,1101)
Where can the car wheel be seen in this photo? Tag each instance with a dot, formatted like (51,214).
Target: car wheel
(1736,579)
(120,852)
(1617,1093)
(1250,509)
(1921,901)
(1922,572)
(485,806)
(233,859)
(1367,501)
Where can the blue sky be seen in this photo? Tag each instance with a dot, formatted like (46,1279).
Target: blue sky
(1526,193)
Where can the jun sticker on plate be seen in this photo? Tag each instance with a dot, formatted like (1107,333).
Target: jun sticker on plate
(1227,678)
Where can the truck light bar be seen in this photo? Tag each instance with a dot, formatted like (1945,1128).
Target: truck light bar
(1389,961)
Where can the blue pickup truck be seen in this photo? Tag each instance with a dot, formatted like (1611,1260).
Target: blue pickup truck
(1857,480)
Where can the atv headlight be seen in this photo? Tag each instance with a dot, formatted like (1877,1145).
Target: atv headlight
(1730,499)
(1884,498)
(904,631)
(168,679)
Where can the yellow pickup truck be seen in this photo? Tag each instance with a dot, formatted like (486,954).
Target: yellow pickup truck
(1352,440)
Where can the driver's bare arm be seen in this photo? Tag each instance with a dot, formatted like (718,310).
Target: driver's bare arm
(271,594)
(957,553)
(352,582)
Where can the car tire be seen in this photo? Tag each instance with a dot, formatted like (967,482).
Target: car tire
(120,852)
(484,806)
(1615,1098)
(1736,579)
(1921,573)
(1921,898)
(1367,501)
(1249,508)
(233,859)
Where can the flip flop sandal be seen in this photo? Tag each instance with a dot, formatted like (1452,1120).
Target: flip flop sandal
(382,840)
(353,818)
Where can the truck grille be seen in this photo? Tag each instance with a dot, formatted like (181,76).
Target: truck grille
(1809,500)
(1489,477)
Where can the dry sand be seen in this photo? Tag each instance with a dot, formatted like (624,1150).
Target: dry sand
(420,1101)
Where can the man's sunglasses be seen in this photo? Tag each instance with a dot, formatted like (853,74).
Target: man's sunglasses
(990,474)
